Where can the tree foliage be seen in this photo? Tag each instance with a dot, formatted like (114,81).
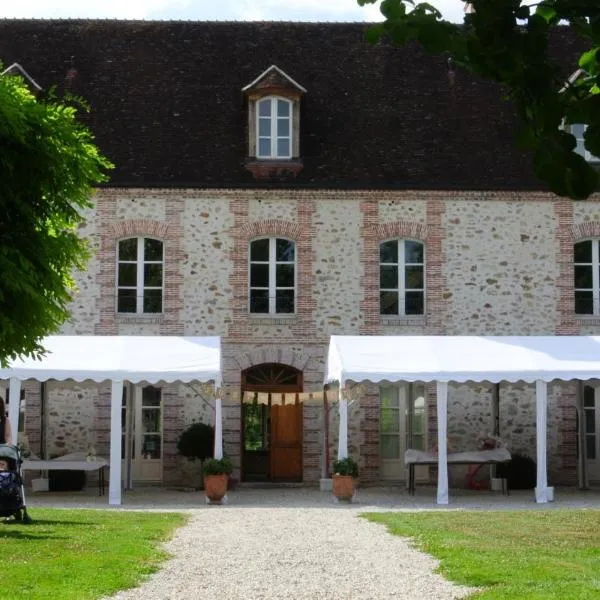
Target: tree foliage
(48,167)
(507,41)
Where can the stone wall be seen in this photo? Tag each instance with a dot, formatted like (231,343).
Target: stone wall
(496,263)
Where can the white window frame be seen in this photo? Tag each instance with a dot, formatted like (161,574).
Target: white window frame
(581,140)
(401,289)
(274,121)
(595,265)
(272,262)
(139,286)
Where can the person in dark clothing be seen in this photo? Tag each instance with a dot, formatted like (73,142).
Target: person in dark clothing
(5,432)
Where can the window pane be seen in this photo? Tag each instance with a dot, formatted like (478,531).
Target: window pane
(418,442)
(152,301)
(589,396)
(127,274)
(151,447)
(264,128)
(388,277)
(590,443)
(264,108)
(583,277)
(259,250)
(283,108)
(418,423)
(413,278)
(390,446)
(583,252)
(151,396)
(577,129)
(284,276)
(388,303)
(153,275)
(414,303)
(284,250)
(283,147)
(259,301)
(153,249)
(388,397)
(151,420)
(126,301)
(389,420)
(584,303)
(413,252)
(128,249)
(283,128)
(259,275)
(590,421)
(264,147)
(388,252)
(284,301)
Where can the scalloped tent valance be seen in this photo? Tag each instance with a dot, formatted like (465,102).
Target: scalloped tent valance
(462,358)
(128,358)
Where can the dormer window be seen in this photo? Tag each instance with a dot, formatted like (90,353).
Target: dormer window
(274,118)
(274,125)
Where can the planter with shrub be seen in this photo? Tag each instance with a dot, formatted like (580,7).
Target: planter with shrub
(345,472)
(216,473)
(196,443)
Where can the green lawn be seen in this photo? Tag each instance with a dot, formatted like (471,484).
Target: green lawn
(81,554)
(517,554)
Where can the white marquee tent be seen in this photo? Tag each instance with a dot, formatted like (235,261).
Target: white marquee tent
(443,359)
(118,359)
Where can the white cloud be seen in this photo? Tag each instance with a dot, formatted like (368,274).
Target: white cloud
(279,10)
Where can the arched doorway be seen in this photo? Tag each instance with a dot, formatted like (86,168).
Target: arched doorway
(271,423)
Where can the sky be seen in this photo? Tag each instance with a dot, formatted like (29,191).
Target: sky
(210,10)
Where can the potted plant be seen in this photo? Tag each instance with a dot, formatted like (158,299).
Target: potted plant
(216,473)
(345,471)
(197,442)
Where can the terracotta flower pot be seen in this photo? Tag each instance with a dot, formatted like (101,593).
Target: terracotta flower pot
(343,487)
(215,487)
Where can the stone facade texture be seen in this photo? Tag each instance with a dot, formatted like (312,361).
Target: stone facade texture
(497,263)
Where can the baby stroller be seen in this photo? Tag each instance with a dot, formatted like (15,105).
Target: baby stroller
(12,492)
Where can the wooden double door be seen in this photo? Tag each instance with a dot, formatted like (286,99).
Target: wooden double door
(272,423)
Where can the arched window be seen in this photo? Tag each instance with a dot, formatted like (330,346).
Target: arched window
(587,278)
(272,276)
(274,126)
(140,266)
(401,277)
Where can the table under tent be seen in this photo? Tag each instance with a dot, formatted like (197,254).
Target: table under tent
(120,359)
(535,360)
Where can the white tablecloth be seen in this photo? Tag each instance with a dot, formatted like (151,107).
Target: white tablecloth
(475,456)
(70,462)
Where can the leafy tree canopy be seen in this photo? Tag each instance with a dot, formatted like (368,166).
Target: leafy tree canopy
(507,41)
(48,167)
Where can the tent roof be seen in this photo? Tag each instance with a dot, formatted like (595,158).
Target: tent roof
(462,358)
(130,358)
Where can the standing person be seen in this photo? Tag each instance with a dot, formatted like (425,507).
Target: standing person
(5,432)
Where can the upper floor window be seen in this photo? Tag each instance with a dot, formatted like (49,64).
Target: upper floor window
(401,277)
(272,276)
(578,130)
(140,276)
(587,284)
(274,118)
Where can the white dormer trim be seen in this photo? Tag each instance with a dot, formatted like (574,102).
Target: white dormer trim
(17,67)
(266,72)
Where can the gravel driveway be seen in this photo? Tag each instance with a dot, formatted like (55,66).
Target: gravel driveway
(239,552)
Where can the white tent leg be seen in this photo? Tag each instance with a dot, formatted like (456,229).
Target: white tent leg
(541,406)
(114,484)
(218,429)
(442,415)
(14,407)
(343,436)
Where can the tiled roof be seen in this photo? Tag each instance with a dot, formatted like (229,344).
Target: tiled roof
(168,107)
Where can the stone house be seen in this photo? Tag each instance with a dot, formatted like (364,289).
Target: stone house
(278,183)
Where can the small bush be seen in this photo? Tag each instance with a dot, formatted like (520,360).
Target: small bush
(197,441)
(345,466)
(218,466)
(520,471)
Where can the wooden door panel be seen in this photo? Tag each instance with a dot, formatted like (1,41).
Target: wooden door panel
(286,442)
